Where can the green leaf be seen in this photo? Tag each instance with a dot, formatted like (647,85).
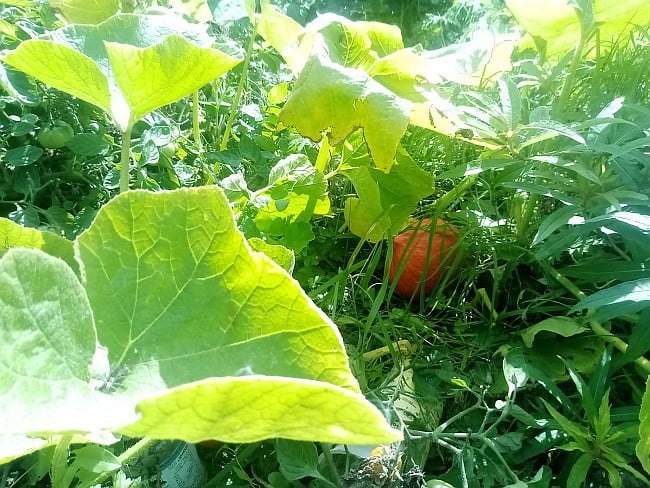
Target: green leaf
(598,270)
(296,192)
(553,222)
(510,102)
(88,144)
(14,235)
(158,75)
(216,341)
(629,297)
(23,156)
(297,459)
(47,342)
(643,446)
(563,326)
(385,200)
(63,68)
(128,65)
(579,470)
(639,341)
(86,11)
(558,24)
(333,100)
(280,254)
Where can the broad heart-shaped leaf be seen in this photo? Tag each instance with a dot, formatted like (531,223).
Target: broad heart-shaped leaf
(152,77)
(63,68)
(385,200)
(556,22)
(182,303)
(47,344)
(643,447)
(331,99)
(86,11)
(121,64)
(14,235)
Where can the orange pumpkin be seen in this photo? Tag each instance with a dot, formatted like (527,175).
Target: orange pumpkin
(421,255)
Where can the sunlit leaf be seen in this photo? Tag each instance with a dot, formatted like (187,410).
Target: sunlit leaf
(86,11)
(643,446)
(385,201)
(330,99)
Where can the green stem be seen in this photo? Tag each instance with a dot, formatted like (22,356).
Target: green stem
(195,121)
(595,325)
(524,224)
(60,462)
(455,193)
(323,155)
(240,90)
(131,453)
(124,158)
(327,453)
(567,86)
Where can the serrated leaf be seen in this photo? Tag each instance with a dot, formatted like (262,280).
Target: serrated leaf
(158,75)
(196,320)
(333,100)
(63,68)
(643,446)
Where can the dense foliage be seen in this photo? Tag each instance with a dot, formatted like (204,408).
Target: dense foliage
(216,223)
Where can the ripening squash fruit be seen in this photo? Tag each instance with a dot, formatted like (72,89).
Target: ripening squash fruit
(421,255)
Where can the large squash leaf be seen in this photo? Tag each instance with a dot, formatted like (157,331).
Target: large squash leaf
(204,337)
(329,98)
(47,344)
(557,24)
(127,65)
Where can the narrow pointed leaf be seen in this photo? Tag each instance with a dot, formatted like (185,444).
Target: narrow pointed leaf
(643,446)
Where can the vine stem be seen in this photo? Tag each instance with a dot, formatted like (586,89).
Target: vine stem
(594,324)
(323,155)
(60,461)
(132,452)
(195,121)
(124,158)
(240,90)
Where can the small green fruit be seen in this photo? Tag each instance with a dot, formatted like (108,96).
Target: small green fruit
(55,136)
